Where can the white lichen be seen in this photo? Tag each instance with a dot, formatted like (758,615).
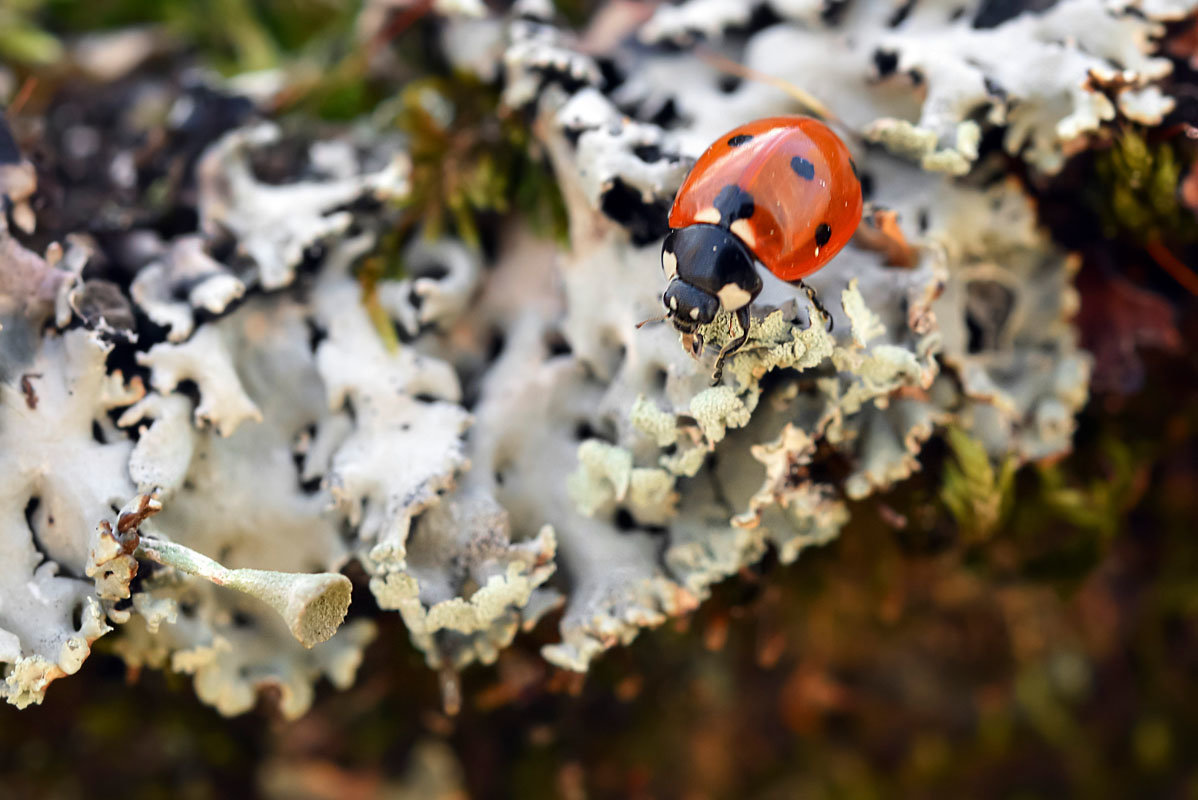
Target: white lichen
(273,225)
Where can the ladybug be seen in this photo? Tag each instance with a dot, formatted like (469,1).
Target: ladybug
(781,191)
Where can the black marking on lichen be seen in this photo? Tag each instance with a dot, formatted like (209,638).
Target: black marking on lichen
(645,221)
(900,14)
(739,139)
(734,203)
(993,13)
(729,83)
(833,12)
(822,234)
(649,153)
(867,185)
(803,168)
(667,116)
(994,89)
(886,62)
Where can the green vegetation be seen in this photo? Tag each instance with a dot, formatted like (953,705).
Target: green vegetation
(1136,188)
(977,495)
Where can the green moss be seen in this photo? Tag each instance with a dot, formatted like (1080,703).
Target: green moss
(575,12)
(232,35)
(21,40)
(978,495)
(471,163)
(471,157)
(1136,189)
(1100,504)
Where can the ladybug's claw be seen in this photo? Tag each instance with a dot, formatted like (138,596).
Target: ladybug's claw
(742,318)
(693,342)
(814,298)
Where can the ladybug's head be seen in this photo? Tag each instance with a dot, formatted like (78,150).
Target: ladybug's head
(688,306)
(709,268)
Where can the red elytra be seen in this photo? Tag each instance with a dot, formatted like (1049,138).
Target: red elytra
(806,194)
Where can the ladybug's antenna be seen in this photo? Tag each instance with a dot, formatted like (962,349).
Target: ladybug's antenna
(645,322)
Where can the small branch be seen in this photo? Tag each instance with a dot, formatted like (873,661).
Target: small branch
(1173,265)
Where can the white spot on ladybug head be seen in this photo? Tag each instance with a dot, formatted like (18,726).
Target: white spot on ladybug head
(674,303)
(744,231)
(694,313)
(711,215)
(669,264)
(733,297)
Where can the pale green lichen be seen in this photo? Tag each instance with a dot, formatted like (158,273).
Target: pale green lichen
(687,462)
(603,475)
(651,420)
(651,495)
(919,144)
(867,326)
(486,610)
(978,493)
(716,409)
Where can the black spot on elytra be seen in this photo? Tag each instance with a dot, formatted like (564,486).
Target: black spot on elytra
(734,203)
(803,168)
(739,139)
(822,234)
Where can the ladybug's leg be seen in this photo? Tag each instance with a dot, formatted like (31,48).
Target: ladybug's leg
(814,298)
(742,318)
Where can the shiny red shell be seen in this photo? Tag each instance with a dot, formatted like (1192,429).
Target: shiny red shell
(806,194)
